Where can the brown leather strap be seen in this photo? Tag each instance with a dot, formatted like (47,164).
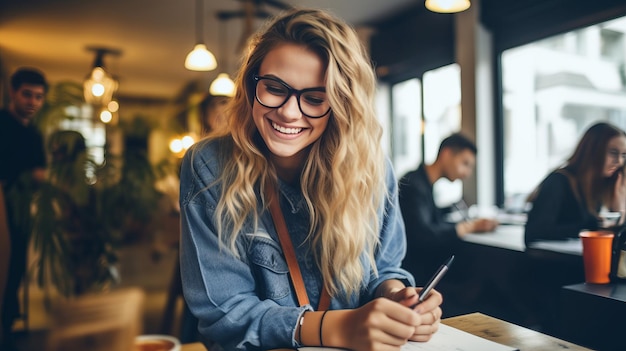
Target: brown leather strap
(324,303)
(290,253)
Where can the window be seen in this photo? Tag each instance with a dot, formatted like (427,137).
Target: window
(442,107)
(553,90)
(441,117)
(406,137)
(80,119)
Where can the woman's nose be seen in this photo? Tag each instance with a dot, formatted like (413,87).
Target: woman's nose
(291,110)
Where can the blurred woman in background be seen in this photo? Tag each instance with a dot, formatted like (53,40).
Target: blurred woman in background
(592,181)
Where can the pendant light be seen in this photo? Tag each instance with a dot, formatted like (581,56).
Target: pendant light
(200,58)
(99,85)
(447,6)
(223,85)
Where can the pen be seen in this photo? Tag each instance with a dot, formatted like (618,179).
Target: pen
(434,280)
(462,208)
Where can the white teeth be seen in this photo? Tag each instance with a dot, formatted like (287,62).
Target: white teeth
(286,130)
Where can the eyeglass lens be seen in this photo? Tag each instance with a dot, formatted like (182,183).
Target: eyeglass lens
(274,93)
(616,156)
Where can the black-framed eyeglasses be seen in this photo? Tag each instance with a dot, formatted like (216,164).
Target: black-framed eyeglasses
(616,156)
(273,93)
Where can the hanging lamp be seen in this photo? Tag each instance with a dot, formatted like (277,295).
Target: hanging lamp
(223,85)
(447,6)
(99,85)
(200,58)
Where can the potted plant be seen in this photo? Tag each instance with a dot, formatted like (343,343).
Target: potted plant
(72,232)
(84,210)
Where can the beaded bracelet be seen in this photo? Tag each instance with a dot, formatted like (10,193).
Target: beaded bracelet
(300,330)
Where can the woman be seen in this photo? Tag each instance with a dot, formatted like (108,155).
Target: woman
(571,198)
(301,130)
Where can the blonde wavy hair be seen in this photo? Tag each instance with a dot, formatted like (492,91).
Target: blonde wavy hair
(343,176)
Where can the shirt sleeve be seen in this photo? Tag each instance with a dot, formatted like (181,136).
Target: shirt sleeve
(220,288)
(392,248)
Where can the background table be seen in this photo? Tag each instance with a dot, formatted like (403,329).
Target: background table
(506,236)
(594,315)
(518,284)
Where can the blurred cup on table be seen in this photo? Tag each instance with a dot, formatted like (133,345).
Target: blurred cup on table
(597,255)
(156,343)
(608,219)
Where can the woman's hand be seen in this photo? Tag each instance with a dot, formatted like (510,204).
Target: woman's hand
(385,323)
(619,195)
(381,324)
(429,311)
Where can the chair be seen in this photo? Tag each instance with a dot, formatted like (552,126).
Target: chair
(188,330)
(98,322)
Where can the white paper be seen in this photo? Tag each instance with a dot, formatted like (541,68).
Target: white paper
(445,339)
(451,339)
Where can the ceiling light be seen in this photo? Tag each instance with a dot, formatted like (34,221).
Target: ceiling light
(113,106)
(200,58)
(106,116)
(223,85)
(99,85)
(447,6)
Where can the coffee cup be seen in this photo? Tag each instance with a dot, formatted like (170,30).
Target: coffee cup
(597,255)
(156,343)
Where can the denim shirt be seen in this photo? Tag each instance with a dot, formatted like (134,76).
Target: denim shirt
(248,302)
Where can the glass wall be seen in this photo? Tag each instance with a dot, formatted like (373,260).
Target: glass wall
(416,133)
(553,90)
(442,116)
(406,122)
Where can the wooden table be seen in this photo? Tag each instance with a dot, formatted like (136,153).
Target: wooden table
(196,346)
(489,328)
(508,334)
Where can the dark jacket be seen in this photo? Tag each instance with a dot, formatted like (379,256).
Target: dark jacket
(21,149)
(430,238)
(557,212)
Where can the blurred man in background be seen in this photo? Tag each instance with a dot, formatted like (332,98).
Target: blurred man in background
(22,166)
(430,238)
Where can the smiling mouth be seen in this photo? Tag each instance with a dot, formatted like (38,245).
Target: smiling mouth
(286,130)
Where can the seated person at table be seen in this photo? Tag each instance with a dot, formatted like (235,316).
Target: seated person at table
(570,198)
(297,188)
(430,238)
